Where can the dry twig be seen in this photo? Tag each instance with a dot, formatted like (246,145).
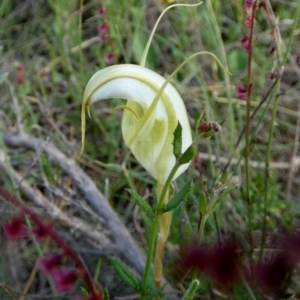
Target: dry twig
(121,243)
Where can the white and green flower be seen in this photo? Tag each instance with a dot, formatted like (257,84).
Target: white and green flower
(151,114)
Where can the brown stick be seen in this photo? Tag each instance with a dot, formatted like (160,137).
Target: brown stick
(99,239)
(124,246)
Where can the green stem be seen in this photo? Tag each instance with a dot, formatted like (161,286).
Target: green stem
(150,255)
(145,53)
(154,230)
(202,226)
(166,188)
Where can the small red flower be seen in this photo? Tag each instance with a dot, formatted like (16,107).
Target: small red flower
(219,263)
(101,11)
(102,28)
(65,280)
(248,4)
(15,228)
(109,58)
(193,257)
(241,92)
(245,41)
(40,231)
(51,263)
(248,21)
(248,12)
(270,276)
(224,265)
(102,37)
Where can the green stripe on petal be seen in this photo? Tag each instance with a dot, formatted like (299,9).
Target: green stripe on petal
(159,108)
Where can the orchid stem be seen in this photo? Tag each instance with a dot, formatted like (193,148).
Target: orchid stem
(150,255)
(154,230)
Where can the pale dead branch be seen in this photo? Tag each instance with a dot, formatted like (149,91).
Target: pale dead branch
(119,242)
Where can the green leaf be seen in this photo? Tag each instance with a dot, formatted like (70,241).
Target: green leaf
(84,292)
(190,292)
(46,164)
(202,203)
(187,156)
(179,197)
(237,60)
(177,142)
(140,202)
(105,294)
(125,273)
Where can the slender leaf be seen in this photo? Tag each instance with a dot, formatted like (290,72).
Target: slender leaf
(84,292)
(105,294)
(177,142)
(125,273)
(179,197)
(141,202)
(190,292)
(187,156)
(202,203)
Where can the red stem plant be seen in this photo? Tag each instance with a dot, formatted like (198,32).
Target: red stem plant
(46,230)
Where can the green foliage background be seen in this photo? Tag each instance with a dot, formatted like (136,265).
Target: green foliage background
(60,50)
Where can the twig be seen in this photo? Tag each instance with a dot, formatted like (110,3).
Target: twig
(33,272)
(98,237)
(124,245)
(280,165)
(95,291)
(45,246)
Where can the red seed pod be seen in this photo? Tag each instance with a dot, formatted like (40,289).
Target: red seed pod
(203,127)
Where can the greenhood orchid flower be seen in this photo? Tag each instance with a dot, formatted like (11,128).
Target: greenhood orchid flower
(151,114)
(152,111)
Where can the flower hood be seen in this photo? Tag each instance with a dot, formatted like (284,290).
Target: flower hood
(151,114)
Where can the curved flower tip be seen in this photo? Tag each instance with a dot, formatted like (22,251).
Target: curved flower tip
(151,114)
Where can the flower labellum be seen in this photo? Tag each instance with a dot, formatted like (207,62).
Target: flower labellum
(151,114)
